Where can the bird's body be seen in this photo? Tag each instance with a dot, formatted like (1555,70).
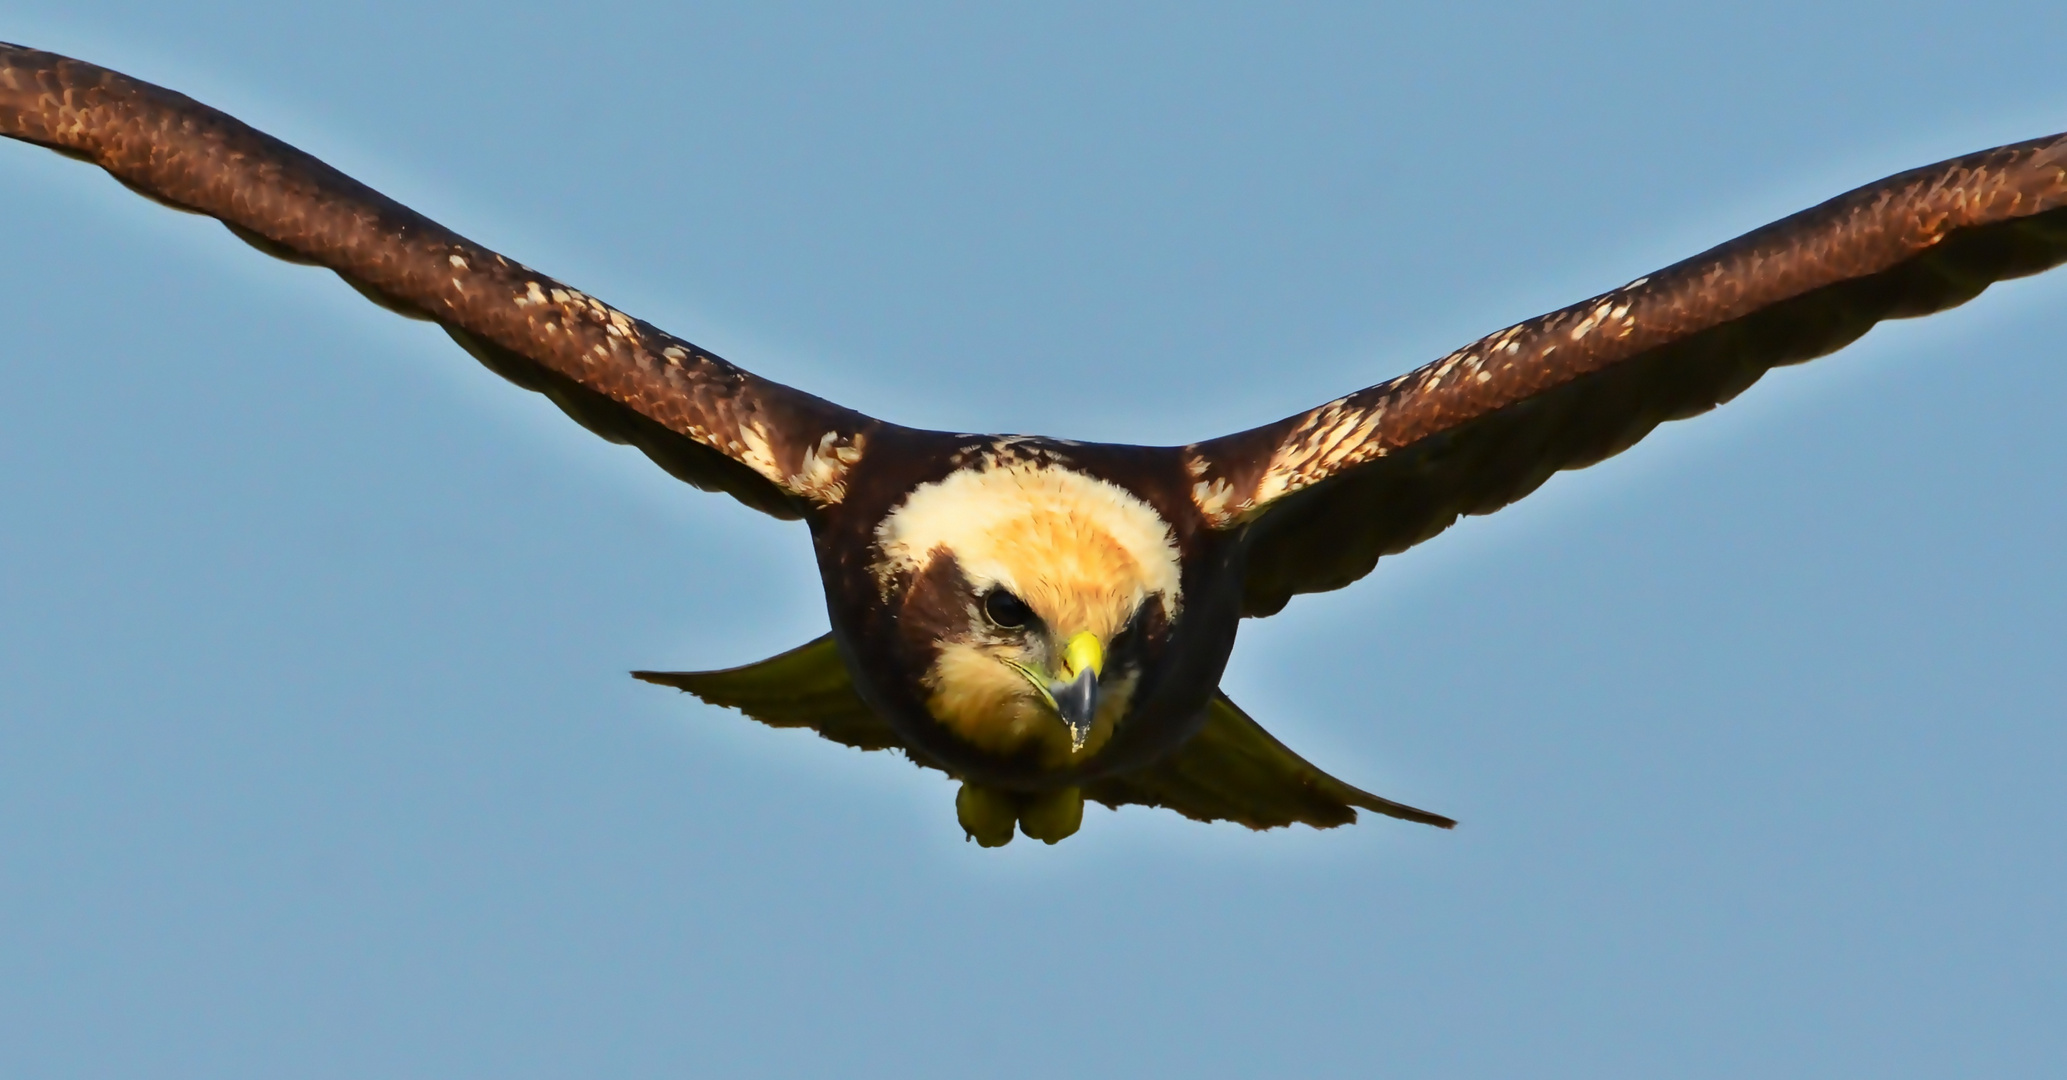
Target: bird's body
(1097,539)
(1046,620)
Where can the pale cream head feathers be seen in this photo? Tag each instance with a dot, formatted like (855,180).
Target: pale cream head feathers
(1082,553)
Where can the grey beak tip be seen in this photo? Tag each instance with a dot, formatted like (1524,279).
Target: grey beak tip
(1077,703)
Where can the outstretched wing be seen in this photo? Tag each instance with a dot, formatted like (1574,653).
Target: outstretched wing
(807,686)
(1233,770)
(1326,493)
(702,419)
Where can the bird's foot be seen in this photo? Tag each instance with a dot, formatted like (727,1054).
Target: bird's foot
(1053,815)
(987,814)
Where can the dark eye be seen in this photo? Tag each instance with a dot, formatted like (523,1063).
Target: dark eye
(1006,610)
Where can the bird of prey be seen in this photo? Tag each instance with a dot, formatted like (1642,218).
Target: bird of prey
(1046,621)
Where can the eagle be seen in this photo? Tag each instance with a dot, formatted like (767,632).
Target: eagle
(1047,621)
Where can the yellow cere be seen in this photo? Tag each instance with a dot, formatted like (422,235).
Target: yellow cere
(1083,651)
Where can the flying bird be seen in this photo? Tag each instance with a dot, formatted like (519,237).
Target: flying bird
(1046,621)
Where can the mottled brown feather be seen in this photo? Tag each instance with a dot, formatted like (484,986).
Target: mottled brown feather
(1327,492)
(704,420)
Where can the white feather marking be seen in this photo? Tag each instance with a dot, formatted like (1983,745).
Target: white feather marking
(756,453)
(822,476)
(1331,438)
(1213,499)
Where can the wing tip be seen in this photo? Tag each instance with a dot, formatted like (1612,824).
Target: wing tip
(672,679)
(1403,812)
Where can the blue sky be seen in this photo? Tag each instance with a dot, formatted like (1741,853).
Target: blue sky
(317,754)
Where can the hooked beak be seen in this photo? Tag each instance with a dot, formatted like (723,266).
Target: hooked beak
(1076,695)
(1076,702)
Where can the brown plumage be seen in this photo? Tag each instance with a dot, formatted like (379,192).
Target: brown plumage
(1378,471)
(1048,621)
(702,419)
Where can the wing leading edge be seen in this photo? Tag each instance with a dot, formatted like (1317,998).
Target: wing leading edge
(701,418)
(1328,492)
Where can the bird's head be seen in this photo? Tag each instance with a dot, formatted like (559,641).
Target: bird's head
(1031,599)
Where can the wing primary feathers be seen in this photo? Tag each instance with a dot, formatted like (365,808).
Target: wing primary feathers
(710,423)
(1233,770)
(807,686)
(1326,493)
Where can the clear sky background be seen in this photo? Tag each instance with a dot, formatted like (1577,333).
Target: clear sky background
(317,754)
